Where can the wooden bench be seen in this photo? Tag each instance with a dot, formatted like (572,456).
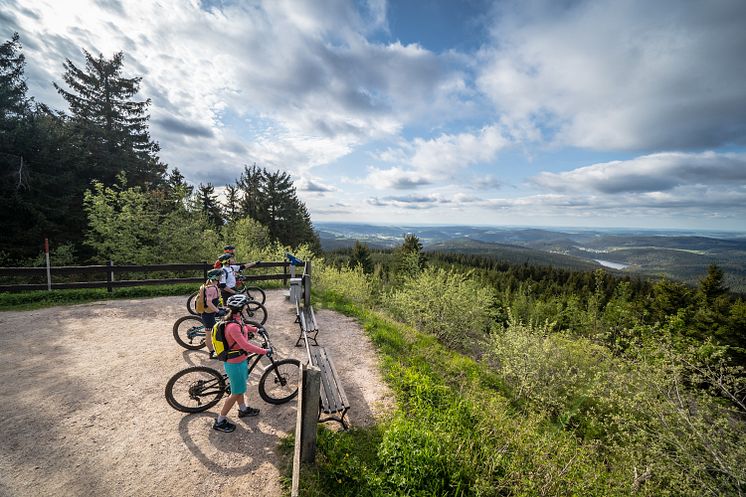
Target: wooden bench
(306,320)
(334,401)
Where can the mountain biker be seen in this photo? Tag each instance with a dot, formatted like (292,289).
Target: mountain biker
(211,294)
(230,269)
(237,334)
(228,249)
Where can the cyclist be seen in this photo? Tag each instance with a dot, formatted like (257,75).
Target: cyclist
(237,333)
(230,269)
(228,249)
(213,301)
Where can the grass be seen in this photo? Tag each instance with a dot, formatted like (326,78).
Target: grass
(25,301)
(454,432)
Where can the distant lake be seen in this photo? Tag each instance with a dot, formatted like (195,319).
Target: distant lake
(612,265)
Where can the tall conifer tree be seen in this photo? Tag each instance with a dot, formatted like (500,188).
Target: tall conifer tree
(113,126)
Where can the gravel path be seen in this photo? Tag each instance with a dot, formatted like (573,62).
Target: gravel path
(83,411)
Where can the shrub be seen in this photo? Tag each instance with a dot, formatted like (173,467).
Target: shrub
(447,304)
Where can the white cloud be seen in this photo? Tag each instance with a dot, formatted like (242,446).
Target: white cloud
(305,68)
(652,173)
(621,75)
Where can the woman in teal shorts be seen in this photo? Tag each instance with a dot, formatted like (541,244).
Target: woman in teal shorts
(236,367)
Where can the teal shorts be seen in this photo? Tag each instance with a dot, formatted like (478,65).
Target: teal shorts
(238,375)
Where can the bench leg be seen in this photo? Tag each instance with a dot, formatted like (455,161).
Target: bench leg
(340,419)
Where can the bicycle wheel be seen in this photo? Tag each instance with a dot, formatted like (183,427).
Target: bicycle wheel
(195,389)
(279,383)
(189,332)
(255,293)
(256,312)
(191,304)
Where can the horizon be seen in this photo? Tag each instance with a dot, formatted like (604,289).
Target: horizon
(539,113)
(538,227)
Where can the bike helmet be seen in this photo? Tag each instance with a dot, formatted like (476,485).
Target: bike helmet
(229,248)
(225,257)
(214,274)
(237,302)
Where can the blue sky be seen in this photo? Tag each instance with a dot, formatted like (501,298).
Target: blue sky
(536,112)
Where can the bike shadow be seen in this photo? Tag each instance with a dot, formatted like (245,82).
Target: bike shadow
(196,357)
(228,454)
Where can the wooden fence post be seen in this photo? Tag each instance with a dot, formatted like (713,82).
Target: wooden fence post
(109,276)
(49,270)
(310,412)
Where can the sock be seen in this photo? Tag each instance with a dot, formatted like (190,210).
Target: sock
(221,418)
(241,406)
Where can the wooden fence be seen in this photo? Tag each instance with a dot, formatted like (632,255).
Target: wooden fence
(109,271)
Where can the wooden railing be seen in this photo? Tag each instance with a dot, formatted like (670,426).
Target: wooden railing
(109,271)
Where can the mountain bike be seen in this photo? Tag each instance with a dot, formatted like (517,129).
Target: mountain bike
(253,292)
(198,388)
(189,332)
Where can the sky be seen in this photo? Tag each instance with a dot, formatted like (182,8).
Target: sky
(529,112)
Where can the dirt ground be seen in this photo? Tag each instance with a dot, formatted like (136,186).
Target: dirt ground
(83,411)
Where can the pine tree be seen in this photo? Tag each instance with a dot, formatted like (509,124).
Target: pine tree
(114,127)
(361,257)
(232,211)
(271,199)
(252,201)
(14,104)
(207,201)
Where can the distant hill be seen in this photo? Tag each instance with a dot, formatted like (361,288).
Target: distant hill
(678,255)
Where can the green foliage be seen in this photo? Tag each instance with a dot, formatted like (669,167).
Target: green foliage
(110,124)
(349,283)
(250,239)
(20,301)
(447,304)
(126,227)
(271,199)
(361,257)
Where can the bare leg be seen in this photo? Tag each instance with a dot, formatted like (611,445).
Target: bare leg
(229,403)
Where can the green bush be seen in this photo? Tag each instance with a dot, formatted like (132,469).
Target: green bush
(351,284)
(447,304)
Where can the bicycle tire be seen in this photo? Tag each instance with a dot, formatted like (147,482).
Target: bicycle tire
(256,312)
(279,383)
(180,332)
(255,293)
(201,382)
(192,303)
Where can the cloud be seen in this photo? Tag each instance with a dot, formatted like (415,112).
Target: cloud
(307,70)
(395,178)
(651,173)
(621,75)
(314,186)
(438,159)
(175,125)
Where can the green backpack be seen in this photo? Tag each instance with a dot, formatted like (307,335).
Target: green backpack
(220,344)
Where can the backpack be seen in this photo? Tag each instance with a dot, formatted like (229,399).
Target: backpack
(220,344)
(200,304)
(217,264)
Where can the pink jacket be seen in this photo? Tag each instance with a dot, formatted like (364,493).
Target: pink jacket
(239,338)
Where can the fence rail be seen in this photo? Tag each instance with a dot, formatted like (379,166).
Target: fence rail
(110,282)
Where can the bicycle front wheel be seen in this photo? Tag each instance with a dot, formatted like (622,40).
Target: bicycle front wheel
(195,389)
(189,332)
(256,312)
(192,304)
(279,383)
(255,293)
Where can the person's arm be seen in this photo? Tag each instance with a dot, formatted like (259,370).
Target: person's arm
(233,332)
